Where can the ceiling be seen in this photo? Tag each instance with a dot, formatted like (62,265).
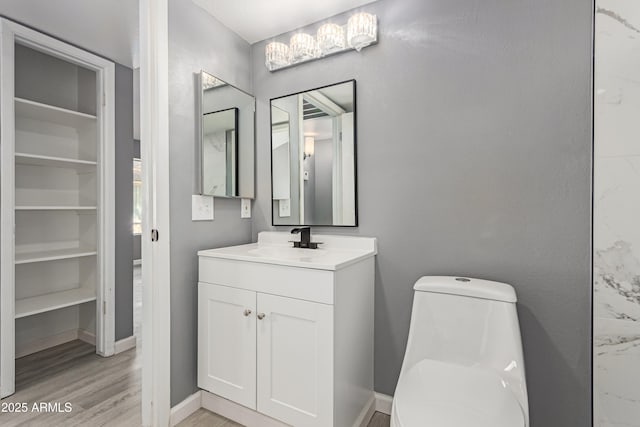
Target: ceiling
(256,20)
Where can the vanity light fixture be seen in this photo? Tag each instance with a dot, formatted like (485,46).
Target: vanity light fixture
(361,30)
(309,146)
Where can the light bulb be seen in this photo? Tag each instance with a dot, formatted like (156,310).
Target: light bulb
(309,146)
(362,29)
(276,55)
(330,38)
(302,47)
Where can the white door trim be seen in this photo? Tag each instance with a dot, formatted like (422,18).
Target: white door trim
(7,213)
(154,126)
(105,112)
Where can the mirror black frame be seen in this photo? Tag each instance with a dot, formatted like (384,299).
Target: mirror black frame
(355,154)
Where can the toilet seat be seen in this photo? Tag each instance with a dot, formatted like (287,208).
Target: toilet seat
(439,394)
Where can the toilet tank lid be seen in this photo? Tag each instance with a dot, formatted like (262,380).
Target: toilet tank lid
(466,286)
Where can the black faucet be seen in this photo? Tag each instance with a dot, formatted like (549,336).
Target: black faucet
(305,238)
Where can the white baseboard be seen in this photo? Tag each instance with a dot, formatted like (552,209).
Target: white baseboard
(383,403)
(46,342)
(125,344)
(367,412)
(238,413)
(185,408)
(86,336)
(247,417)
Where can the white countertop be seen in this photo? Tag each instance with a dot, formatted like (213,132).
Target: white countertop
(335,253)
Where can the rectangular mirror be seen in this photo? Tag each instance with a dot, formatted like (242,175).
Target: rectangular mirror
(313,157)
(227,139)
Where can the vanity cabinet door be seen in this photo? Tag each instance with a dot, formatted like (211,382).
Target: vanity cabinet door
(295,361)
(227,343)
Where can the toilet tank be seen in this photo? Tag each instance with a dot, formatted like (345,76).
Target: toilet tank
(470,322)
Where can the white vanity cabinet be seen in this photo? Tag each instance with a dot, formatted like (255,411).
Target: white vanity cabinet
(289,336)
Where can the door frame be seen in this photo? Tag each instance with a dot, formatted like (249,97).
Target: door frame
(154,140)
(10,33)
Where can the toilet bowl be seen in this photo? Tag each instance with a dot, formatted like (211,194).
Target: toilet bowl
(463,365)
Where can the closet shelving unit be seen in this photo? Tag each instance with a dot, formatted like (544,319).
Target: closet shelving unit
(57,200)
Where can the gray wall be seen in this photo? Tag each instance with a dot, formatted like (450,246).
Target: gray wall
(137,240)
(474,150)
(124,202)
(197,42)
(106,27)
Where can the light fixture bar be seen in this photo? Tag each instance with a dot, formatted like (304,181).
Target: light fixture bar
(360,31)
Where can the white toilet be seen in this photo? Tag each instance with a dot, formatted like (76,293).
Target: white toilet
(463,365)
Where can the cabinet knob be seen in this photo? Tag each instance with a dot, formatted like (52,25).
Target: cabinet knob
(247,312)
(261,316)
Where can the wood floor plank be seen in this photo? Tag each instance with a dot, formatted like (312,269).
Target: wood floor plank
(77,381)
(202,418)
(380,420)
(104,392)
(87,383)
(30,369)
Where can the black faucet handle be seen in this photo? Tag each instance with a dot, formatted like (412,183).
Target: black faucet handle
(300,230)
(305,236)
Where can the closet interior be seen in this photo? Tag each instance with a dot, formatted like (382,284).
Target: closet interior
(55,181)
(55,199)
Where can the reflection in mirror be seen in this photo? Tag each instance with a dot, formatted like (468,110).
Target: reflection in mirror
(280,157)
(219,142)
(313,163)
(227,139)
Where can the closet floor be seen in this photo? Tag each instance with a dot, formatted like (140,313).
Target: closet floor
(102,391)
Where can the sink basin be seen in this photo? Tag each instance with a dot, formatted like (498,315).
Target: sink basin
(274,248)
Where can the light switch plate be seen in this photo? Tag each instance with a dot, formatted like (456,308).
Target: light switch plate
(245,208)
(284,208)
(201,208)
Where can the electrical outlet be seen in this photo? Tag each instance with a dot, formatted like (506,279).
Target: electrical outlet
(245,208)
(284,208)
(201,208)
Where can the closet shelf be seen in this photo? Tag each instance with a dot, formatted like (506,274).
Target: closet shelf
(56,208)
(53,301)
(53,255)
(52,114)
(54,162)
